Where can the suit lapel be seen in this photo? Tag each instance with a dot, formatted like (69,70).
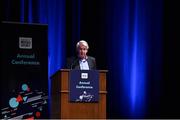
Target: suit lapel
(77,66)
(89,63)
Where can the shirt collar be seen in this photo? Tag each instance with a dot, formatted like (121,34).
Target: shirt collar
(84,60)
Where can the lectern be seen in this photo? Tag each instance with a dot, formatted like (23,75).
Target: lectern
(62,108)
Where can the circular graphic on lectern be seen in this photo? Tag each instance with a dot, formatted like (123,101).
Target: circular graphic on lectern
(13,103)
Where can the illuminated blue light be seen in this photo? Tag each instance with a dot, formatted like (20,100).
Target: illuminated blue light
(128,34)
(51,12)
(134,73)
(30,16)
(22,11)
(42,11)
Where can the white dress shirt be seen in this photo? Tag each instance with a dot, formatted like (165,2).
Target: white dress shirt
(83,64)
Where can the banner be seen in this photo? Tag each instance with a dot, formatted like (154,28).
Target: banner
(84,85)
(24,71)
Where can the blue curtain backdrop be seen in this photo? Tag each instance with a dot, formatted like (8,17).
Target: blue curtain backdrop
(130,38)
(134,30)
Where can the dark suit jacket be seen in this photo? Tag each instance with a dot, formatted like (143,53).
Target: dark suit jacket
(73,63)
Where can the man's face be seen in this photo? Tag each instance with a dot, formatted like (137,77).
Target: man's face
(82,51)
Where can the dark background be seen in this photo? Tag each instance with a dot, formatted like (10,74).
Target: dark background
(163,91)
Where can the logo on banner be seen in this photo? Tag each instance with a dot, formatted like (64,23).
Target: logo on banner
(25,43)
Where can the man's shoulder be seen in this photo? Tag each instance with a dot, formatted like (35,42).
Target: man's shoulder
(71,61)
(91,58)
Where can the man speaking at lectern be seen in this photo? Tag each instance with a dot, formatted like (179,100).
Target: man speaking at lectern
(82,61)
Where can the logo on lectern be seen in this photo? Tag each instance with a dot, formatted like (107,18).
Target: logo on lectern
(84,75)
